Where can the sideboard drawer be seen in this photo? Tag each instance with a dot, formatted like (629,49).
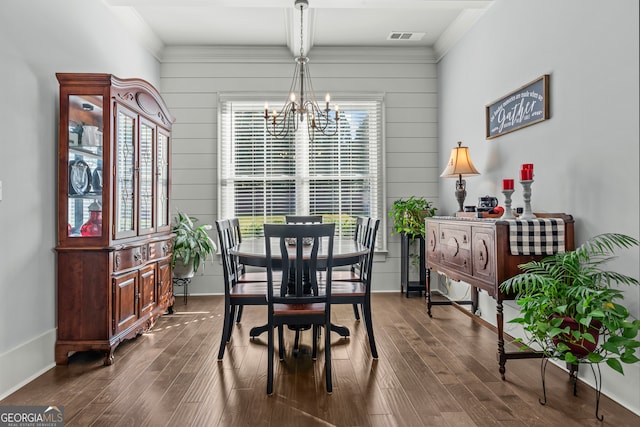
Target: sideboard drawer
(455,247)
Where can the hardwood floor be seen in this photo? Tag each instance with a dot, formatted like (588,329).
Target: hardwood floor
(431,372)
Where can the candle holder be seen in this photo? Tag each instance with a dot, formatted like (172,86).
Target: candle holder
(526,195)
(508,213)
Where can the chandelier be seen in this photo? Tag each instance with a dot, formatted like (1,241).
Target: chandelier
(302,105)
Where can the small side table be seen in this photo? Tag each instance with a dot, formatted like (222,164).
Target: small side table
(179,281)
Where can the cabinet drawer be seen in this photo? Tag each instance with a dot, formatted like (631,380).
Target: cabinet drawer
(455,247)
(158,250)
(129,258)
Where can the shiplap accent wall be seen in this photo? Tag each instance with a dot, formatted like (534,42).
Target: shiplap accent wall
(192,78)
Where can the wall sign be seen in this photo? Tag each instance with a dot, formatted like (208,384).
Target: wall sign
(520,108)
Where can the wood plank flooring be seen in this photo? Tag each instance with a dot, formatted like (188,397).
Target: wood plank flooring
(439,371)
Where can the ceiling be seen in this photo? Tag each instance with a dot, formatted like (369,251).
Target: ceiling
(327,23)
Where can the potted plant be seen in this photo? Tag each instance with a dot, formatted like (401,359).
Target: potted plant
(570,305)
(408,215)
(408,221)
(191,245)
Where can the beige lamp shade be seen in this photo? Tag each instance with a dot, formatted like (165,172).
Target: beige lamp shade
(459,163)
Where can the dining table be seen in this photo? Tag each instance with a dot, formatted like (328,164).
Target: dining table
(252,252)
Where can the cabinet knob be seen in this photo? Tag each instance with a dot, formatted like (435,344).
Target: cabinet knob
(165,249)
(137,256)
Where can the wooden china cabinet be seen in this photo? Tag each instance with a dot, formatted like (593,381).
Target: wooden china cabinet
(114,231)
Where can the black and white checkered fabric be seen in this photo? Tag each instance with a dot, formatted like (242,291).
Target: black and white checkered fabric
(540,236)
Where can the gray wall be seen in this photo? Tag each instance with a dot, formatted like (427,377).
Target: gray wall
(37,39)
(192,79)
(586,156)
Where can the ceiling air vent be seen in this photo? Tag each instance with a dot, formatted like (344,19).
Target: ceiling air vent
(405,35)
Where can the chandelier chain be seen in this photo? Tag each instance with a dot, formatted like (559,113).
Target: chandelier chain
(301,31)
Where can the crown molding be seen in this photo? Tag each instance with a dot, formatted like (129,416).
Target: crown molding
(138,28)
(458,28)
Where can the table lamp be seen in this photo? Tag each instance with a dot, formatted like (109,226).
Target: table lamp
(460,165)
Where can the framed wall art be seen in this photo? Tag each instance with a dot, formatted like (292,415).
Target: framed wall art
(523,107)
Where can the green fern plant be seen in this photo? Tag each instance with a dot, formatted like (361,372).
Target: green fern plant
(576,285)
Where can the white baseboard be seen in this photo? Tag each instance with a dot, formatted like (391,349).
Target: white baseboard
(24,363)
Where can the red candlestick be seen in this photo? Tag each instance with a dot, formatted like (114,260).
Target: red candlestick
(507,184)
(527,166)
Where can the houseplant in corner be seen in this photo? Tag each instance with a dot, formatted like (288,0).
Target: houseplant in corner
(570,306)
(408,221)
(408,215)
(191,245)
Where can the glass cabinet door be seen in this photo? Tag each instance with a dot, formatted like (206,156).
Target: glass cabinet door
(125,184)
(162,183)
(146,178)
(84,209)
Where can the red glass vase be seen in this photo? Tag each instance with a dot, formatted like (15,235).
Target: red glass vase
(93,227)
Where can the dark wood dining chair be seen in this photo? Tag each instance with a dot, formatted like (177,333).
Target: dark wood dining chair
(301,219)
(236,294)
(353,274)
(298,308)
(358,292)
(243,274)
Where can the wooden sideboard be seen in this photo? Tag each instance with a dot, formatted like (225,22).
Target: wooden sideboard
(477,251)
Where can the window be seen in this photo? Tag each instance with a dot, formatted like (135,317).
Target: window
(262,179)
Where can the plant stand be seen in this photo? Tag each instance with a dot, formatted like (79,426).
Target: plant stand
(183,281)
(573,378)
(407,285)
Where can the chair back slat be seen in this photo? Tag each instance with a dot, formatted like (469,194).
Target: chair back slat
(366,264)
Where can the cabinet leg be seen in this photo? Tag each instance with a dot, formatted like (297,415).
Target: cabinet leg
(62,355)
(502,360)
(108,359)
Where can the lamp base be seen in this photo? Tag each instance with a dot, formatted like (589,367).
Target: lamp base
(461,193)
